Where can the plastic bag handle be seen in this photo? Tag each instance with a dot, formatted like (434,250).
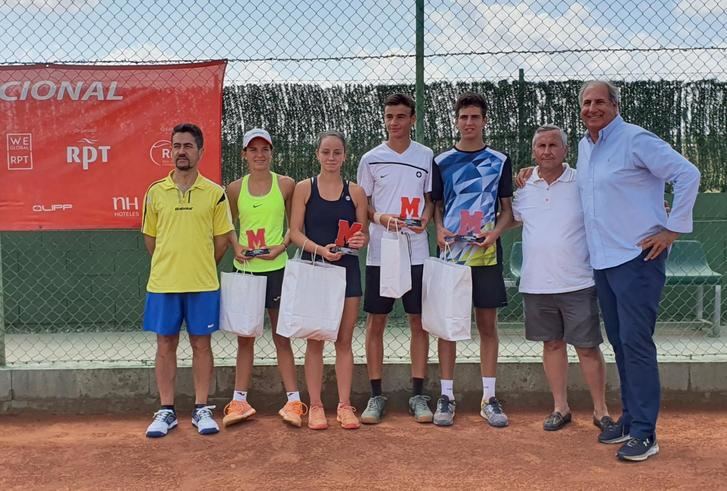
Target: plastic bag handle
(299,252)
(396,224)
(447,251)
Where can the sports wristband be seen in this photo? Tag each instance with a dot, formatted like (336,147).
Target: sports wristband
(377,217)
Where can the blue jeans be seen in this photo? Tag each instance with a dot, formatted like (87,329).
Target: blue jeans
(629,296)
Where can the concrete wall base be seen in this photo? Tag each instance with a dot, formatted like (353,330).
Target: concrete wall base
(104,390)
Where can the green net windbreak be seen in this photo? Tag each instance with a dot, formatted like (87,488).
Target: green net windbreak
(297,68)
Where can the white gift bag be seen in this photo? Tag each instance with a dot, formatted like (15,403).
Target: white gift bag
(311,302)
(447,299)
(242,304)
(395,270)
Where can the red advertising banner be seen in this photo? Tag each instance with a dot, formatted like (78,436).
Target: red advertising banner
(79,145)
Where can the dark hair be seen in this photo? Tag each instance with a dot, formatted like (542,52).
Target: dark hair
(333,133)
(470,99)
(400,99)
(192,129)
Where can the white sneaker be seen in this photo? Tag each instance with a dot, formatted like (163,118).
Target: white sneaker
(164,420)
(492,412)
(203,421)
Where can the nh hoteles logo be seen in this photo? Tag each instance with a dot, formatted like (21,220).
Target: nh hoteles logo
(126,206)
(87,152)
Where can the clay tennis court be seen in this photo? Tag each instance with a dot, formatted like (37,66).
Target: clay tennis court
(41,451)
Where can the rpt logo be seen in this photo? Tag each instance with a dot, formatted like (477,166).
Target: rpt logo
(87,154)
(20,151)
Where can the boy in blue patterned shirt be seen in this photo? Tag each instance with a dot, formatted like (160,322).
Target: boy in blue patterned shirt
(472,187)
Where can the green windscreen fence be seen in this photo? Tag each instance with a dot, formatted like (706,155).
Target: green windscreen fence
(298,68)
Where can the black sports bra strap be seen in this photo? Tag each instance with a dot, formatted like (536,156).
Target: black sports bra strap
(345,188)
(314,188)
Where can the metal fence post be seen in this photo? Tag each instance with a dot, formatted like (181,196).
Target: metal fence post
(420,70)
(520,117)
(2,308)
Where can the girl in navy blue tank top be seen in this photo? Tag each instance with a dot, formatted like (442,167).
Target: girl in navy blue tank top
(322,207)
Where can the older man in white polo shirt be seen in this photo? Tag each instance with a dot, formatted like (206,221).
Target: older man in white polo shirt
(557,284)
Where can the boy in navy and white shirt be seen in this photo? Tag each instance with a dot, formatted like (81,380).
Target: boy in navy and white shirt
(397,178)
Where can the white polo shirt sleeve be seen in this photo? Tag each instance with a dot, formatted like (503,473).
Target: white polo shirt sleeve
(516,203)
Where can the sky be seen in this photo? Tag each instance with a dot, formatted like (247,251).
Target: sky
(373,41)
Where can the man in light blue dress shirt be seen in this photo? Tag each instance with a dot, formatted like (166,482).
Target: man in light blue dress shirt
(622,171)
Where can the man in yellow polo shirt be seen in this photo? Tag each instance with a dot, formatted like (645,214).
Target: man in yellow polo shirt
(186,226)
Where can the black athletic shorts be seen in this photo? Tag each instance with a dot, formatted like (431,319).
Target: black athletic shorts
(488,287)
(376,304)
(353,279)
(273,288)
(353,273)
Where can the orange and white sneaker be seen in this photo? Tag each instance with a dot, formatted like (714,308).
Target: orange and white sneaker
(317,418)
(346,416)
(237,411)
(292,413)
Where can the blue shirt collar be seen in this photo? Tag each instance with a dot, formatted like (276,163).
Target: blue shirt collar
(610,128)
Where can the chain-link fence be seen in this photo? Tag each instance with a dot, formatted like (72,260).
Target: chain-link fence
(298,68)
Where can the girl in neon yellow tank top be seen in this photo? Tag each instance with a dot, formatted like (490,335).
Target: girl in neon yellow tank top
(261,203)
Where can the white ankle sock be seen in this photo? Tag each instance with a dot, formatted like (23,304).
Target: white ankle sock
(239,395)
(293,396)
(448,388)
(488,388)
